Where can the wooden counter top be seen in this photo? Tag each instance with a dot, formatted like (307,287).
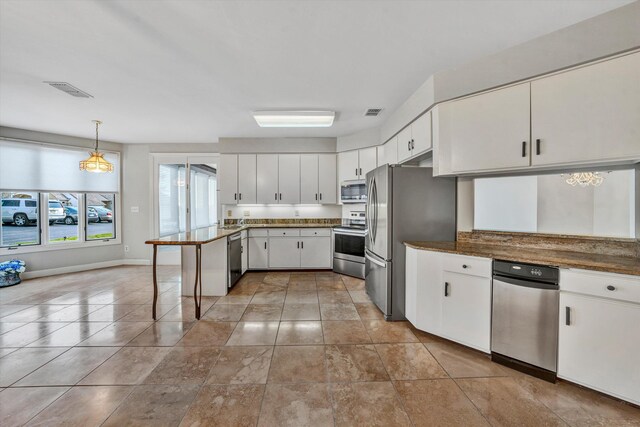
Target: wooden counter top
(562,259)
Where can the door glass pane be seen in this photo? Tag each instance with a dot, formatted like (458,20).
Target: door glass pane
(171,199)
(20,214)
(203,195)
(62,214)
(101,216)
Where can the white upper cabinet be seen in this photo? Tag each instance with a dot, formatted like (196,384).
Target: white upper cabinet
(267,178)
(421,134)
(327,176)
(484,132)
(228,179)
(588,115)
(289,178)
(368,161)
(388,152)
(348,167)
(309,179)
(404,144)
(246,178)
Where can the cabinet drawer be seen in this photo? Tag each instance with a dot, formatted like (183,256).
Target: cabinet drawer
(470,265)
(258,232)
(314,232)
(607,285)
(284,232)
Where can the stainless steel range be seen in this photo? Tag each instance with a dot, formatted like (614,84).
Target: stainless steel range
(348,245)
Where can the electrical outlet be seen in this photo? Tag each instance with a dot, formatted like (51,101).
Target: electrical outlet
(297,212)
(126,248)
(246,213)
(229,213)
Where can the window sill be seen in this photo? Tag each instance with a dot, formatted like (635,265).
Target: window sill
(58,246)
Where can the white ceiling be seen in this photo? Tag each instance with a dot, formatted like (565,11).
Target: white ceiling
(192,71)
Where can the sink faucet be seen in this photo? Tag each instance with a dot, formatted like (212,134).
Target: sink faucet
(241,221)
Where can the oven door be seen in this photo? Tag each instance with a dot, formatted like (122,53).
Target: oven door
(348,245)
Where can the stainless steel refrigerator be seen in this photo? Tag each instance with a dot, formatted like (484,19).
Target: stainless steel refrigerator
(403,203)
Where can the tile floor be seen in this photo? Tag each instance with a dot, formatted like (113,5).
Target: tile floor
(294,349)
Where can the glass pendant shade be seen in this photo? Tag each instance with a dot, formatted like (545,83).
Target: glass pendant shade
(584,179)
(96,162)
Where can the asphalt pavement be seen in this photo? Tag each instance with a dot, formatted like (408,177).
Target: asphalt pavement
(12,234)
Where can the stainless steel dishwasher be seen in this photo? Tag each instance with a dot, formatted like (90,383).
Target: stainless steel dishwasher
(524,324)
(234,259)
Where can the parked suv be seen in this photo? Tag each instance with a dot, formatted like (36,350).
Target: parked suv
(56,211)
(20,212)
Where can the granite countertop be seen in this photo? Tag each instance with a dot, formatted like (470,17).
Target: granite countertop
(558,258)
(200,236)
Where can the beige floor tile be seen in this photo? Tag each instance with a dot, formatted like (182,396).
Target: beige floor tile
(367,404)
(269,297)
(244,288)
(144,313)
(225,405)
(409,362)
(331,285)
(462,362)
(154,405)
(345,332)
(70,314)
(297,364)
(296,405)
(225,312)
(339,312)
(351,363)
(504,403)
(253,277)
(68,368)
(161,334)
(254,333)
(262,313)
(18,405)
(110,313)
(82,406)
(70,335)
(29,333)
(7,309)
(184,365)
(297,285)
(205,333)
(116,334)
(382,331)
(129,366)
(10,326)
(299,333)
(33,313)
(334,297)
(438,403)
(6,351)
(369,311)
(241,365)
(22,362)
(301,312)
(353,283)
(301,297)
(235,299)
(359,297)
(270,287)
(327,275)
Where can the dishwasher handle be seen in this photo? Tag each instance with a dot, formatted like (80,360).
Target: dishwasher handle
(235,237)
(527,283)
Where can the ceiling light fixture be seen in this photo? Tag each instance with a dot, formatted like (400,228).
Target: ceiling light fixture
(96,162)
(294,119)
(584,179)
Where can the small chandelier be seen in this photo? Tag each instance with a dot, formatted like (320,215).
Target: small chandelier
(584,179)
(96,162)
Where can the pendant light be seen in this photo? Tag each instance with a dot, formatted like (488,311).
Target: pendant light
(96,162)
(585,179)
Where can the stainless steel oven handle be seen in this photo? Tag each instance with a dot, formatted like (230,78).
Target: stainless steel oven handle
(375,261)
(351,233)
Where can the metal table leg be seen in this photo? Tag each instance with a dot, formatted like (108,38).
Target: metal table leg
(198,283)
(155,280)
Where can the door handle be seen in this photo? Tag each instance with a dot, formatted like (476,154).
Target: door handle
(320,196)
(235,196)
(316,196)
(280,196)
(567,316)
(265,246)
(524,148)
(446,289)
(239,196)
(408,145)
(356,171)
(538,147)
(360,171)
(298,245)
(276,196)
(412,144)
(301,245)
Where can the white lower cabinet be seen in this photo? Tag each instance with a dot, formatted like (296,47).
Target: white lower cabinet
(258,253)
(315,252)
(245,254)
(284,252)
(289,248)
(599,338)
(443,301)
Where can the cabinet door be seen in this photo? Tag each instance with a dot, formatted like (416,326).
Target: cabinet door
(284,252)
(591,114)
(421,134)
(315,252)
(368,160)
(228,179)
(388,152)
(267,178)
(486,132)
(258,253)
(599,347)
(245,255)
(423,297)
(327,179)
(247,178)
(347,166)
(289,178)
(404,144)
(466,309)
(309,193)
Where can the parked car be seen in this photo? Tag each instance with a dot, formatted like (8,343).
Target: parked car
(20,212)
(92,215)
(56,212)
(104,214)
(70,215)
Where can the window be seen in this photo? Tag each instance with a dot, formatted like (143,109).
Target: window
(171,198)
(203,196)
(100,216)
(63,217)
(19,219)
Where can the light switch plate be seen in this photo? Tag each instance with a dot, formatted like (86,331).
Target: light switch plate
(297,213)
(229,213)
(246,213)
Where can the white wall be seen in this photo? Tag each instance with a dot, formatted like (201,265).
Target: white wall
(277,145)
(276,211)
(506,204)
(363,139)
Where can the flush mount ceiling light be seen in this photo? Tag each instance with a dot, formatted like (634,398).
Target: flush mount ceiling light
(96,162)
(294,119)
(584,179)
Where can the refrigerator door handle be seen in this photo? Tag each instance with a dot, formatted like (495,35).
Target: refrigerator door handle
(375,261)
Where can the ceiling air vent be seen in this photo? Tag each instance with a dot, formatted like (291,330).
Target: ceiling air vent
(372,112)
(70,89)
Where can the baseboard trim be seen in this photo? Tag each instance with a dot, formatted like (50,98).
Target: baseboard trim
(83,267)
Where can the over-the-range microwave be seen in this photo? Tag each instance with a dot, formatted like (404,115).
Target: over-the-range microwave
(354,191)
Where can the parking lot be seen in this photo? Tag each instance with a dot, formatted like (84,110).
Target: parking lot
(13,235)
